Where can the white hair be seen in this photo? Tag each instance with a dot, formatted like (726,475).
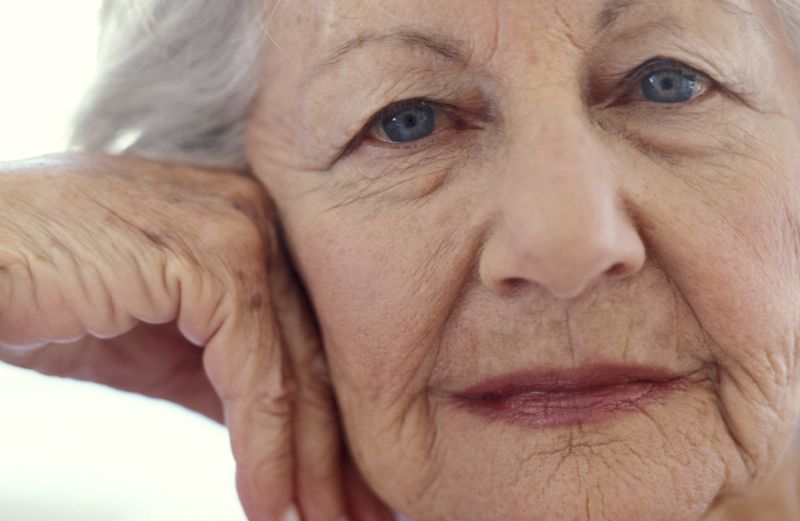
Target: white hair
(789,12)
(176,78)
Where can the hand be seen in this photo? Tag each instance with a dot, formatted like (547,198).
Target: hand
(117,270)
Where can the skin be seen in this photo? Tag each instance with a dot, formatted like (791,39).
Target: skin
(556,229)
(118,271)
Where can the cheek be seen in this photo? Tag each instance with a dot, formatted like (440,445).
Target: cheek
(381,296)
(728,241)
(742,281)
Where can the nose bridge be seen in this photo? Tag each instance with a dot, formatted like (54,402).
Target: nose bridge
(561,223)
(557,172)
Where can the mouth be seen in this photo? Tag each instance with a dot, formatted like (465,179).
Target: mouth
(554,397)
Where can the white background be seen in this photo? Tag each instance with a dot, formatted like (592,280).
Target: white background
(72,451)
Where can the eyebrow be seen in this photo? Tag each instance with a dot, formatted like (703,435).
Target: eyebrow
(613,10)
(436,44)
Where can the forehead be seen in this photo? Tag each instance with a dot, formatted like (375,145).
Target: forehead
(315,35)
(347,14)
(340,21)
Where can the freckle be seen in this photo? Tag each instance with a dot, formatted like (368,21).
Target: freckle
(255,301)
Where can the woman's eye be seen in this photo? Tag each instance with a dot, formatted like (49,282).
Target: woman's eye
(668,81)
(414,120)
(669,86)
(407,122)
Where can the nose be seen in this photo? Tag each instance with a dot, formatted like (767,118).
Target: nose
(561,223)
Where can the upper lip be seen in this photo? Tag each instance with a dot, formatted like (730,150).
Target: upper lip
(568,380)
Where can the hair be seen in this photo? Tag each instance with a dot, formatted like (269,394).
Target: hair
(176,78)
(789,14)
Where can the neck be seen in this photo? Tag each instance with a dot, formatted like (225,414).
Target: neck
(776,500)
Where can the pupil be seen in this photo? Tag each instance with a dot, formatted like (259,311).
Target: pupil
(667,84)
(410,121)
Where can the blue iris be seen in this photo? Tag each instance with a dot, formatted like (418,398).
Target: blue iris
(669,86)
(410,123)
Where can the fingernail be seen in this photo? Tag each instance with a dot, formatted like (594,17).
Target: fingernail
(291,514)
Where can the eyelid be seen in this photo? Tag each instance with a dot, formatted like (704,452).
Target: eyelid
(658,63)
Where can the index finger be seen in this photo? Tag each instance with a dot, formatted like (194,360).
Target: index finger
(257,392)
(246,363)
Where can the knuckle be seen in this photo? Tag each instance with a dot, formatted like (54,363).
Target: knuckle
(237,237)
(263,425)
(247,196)
(234,236)
(316,390)
(242,258)
(33,307)
(277,399)
(317,396)
(266,390)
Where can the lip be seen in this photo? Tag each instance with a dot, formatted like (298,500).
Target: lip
(562,397)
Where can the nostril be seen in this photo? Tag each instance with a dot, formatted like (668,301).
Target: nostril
(513,284)
(617,269)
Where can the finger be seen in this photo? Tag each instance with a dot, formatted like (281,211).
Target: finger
(318,450)
(363,504)
(320,491)
(190,388)
(151,360)
(246,364)
(178,364)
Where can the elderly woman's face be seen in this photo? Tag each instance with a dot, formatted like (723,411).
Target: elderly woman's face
(500,209)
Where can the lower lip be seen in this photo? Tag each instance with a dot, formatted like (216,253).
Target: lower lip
(558,408)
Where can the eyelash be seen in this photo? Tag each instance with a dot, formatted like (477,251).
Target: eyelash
(627,85)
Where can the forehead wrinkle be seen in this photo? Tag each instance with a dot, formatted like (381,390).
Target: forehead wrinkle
(613,10)
(437,41)
(454,50)
(439,44)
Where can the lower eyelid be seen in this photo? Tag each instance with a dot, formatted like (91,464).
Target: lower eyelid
(665,114)
(443,139)
(411,145)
